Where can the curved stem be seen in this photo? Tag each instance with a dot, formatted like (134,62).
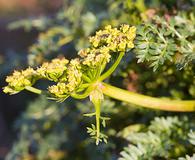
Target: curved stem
(83,95)
(112,68)
(80,96)
(34,90)
(82,87)
(147,101)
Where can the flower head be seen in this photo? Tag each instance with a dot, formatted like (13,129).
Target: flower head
(74,74)
(95,57)
(59,90)
(117,40)
(54,70)
(19,80)
(73,80)
(106,42)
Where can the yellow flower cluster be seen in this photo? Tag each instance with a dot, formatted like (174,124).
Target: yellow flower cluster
(59,90)
(107,41)
(95,57)
(68,74)
(73,80)
(19,80)
(54,70)
(117,40)
(74,74)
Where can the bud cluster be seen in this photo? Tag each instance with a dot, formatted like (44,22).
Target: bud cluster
(73,80)
(117,40)
(54,70)
(67,73)
(19,80)
(106,42)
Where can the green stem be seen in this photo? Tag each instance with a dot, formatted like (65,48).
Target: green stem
(103,66)
(97,104)
(82,95)
(87,79)
(84,86)
(147,101)
(34,90)
(112,68)
(98,73)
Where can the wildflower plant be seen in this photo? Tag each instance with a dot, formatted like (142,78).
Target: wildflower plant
(83,77)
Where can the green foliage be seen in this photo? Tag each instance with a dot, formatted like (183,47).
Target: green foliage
(28,24)
(52,131)
(192,137)
(188,158)
(72,24)
(50,41)
(34,126)
(163,138)
(166,40)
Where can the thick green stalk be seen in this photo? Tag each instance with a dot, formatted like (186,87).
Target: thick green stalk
(112,68)
(147,101)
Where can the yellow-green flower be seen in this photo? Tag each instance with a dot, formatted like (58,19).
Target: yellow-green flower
(117,40)
(73,80)
(54,70)
(60,90)
(96,57)
(106,42)
(19,80)
(74,74)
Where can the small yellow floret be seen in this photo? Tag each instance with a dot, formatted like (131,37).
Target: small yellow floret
(59,90)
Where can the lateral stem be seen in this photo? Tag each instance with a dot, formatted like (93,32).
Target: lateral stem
(112,68)
(147,101)
(82,95)
(34,90)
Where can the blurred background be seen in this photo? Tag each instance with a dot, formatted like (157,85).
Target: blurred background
(13,54)
(34,128)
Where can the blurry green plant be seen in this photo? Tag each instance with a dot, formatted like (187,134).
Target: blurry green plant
(83,77)
(164,40)
(161,42)
(50,132)
(164,137)
(80,78)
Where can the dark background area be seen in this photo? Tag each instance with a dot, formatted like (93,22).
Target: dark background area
(15,43)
